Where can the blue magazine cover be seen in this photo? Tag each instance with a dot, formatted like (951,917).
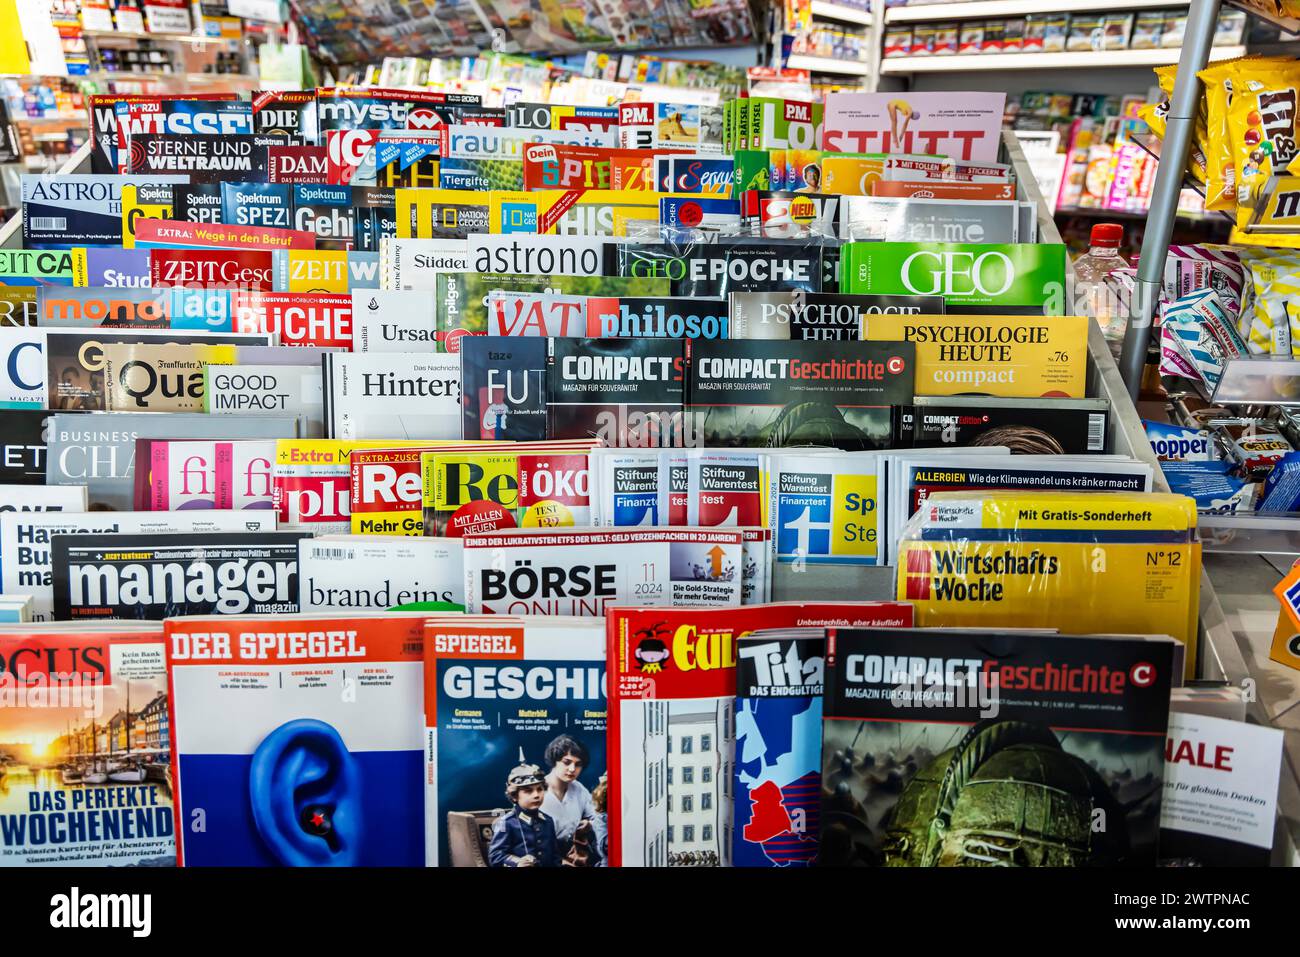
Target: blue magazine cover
(778,747)
(515,710)
(316,760)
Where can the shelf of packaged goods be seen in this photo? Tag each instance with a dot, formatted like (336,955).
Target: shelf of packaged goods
(50,120)
(1289,24)
(1102,213)
(162,37)
(109,76)
(1014,8)
(825,64)
(1079,59)
(840,12)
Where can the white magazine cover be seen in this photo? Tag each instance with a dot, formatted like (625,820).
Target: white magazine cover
(393,320)
(672,505)
(625,487)
(583,571)
(415,263)
(26,557)
(266,390)
(916,476)
(1220,791)
(825,507)
(724,487)
(390,395)
(511,313)
(22,367)
(526,254)
(756,570)
(887,475)
(378,572)
(42,498)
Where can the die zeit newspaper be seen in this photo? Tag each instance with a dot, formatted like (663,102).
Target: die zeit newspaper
(673,672)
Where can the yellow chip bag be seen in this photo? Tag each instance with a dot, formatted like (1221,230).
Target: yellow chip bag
(1220,181)
(1262,126)
(1156,115)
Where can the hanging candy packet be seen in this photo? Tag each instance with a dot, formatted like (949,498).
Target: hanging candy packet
(1220,179)
(1156,116)
(1262,125)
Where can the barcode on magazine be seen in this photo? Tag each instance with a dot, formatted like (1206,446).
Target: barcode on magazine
(346,554)
(49,222)
(1097,432)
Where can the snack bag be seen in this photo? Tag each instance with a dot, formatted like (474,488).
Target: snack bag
(1156,115)
(1220,181)
(1262,125)
(1275,279)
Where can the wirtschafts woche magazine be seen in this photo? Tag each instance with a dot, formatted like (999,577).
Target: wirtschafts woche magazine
(412,485)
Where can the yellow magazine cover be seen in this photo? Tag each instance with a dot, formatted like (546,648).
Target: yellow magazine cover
(591,212)
(442,213)
(1103,563)
(1018,357)
(470,492)
(312,480)
(144,377)
(316,270)
(851,174)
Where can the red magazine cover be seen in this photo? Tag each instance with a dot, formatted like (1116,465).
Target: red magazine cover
(672,690)
(211,268)
(298,318)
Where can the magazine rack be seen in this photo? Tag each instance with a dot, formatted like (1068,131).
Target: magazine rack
(1221,657)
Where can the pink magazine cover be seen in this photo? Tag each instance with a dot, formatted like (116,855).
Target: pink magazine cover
(223,475)
(965,126)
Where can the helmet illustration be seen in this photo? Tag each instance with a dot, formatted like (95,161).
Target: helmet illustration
(1006,795)
(524,775)
(816,423)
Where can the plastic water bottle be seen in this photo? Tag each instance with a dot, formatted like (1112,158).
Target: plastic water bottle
(1093,297)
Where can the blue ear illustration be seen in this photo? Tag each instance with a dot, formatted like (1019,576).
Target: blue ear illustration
(305,788)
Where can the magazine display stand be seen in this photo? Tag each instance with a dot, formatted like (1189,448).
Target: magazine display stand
(1223,656)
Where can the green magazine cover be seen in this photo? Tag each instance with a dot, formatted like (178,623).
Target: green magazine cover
(783,124)
(751,170)
(986,276)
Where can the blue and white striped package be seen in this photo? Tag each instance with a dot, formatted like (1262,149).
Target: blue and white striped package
(1205,333)
(1173,443)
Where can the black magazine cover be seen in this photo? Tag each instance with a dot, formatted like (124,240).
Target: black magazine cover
(23,435)
(152,577)
(503,388)
(712,270)
(980,748)
(1026,426)
(770,394)
(203,157)
(626,392)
